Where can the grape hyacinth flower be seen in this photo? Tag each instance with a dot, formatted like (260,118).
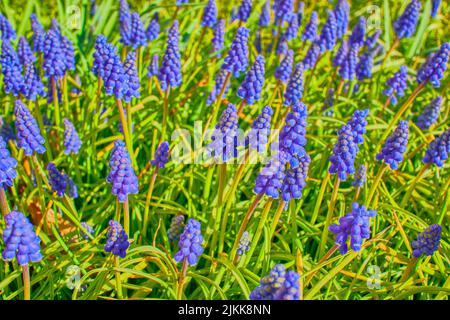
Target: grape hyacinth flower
(176,228)
(6,29)
(218,38)
(438,150)
(347,69)
(310,32)
(7,166)
(430,114)
(72,188)
(50,93)
(283,10)
(38,34)
(89,229)
(395,146)
(397,85)
(270,178)
(433,70)
(328,35)
(56,179)
(6,132)
(180,2)
(258,136)
(292,29)
(33,86)
(20,240)
(294,89)
(131,73)
(427,242)
(250,89)
(342,12)
(68,53)
(237,59)
(435,4)
(56,28)
(284,70)
(24,52)
(282,46)
(72,142)
(292,138)
(124,22)
(356,225)
(295,179)
(121,175)
(28,135)
(219,81)
(233,14)
(153,67)
(153,28)
(358,123)
(137,36)
(11,69)
(279,284)
(264,18)
(225,135)
(311,56)
(161,155)
(372,40)
(341,54)
(328,103)
(360,177)
(117,242)
(54,59)
(170,71)
(244,244)
(190,243)
(358,33)
(344,153)
(257,41)
(112,72)
(209,18)
(101,53)
(365,65)
(244,10)
(406,24)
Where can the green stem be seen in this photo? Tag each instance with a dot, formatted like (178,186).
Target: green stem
(413,185)
(126,216)
(258,232)
(320,198)
(26,282)
(217,216)
(56,102)
(40,121)
(126,131)
(165,114)
(182,278)
(244,224)
(276,218)
(147,203)
(4,206)
(329,217)
(375,184)
(118,281)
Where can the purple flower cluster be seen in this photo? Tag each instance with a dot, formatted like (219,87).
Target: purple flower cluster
(153,28)
(433,70)
(344,153)
(56,179)
(295,179)
(170,71)
(438,150)
(161,155)
(328,35)
(284,70)
(310,32)
(117,242)
(7,166)
(292,29)
(347,69)
(20,240)
(358,33)
(356,225)
(406,24)
(137,37)
(153,67)
(54,57)
(225,135)
(311,56)
(176,228)
(209,18)
(72,142)
(279,284)
(251,87)
(132,78)
(89,229)
(24,52)
(6,132)
(32,86)
(215,91)
(342,13)
(397,85)
(218,38)
(264,18)
(190,243)
(244,244)
(38,34)
(365,65)
(270,179)
(427,242)
(244,10)
(6,29)
(11,69)
(430,114)
(237,59)
(283,10)
(294,89)
(395,146)
(358,123)
(360,177)
(28,135)
(259,133)
(121,175)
